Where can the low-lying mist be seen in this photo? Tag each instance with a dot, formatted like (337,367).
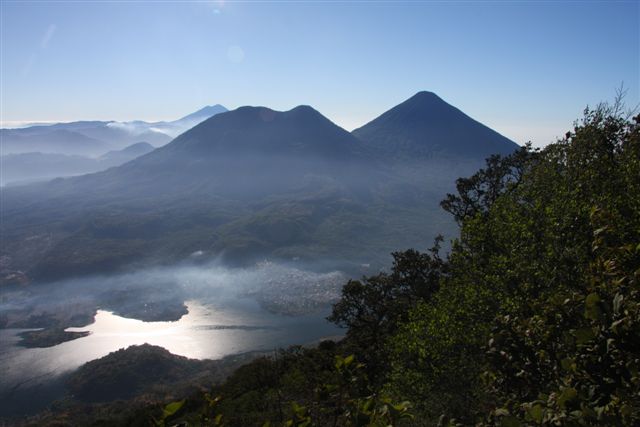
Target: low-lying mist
(159,293)
(200,311)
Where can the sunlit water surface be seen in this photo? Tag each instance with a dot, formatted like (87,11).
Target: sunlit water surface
(208,331)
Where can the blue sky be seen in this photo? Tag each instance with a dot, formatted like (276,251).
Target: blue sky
(526,69)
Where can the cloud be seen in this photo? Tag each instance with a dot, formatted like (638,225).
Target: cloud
(48,36)
(135,128)
(17,124)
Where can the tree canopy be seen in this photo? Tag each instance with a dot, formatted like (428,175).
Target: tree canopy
(531,318)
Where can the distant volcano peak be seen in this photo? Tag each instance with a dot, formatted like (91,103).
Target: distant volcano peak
(425,102)
(205,112)
(426,126)
(304,109)
(425,95)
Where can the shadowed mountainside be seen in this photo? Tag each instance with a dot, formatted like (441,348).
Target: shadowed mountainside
(426,127)
(245,185)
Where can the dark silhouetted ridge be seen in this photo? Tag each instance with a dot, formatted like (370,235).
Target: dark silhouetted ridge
(425,126)
(302,132)
(241,153)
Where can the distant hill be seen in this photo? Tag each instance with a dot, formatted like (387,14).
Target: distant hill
(171,128)
(54,140)
(95,138)
(31,167)
(243,153)
(118,157)
(130,372)
(258,131)
(426,127)
(430,143)
(140,372)
(203,113)
(250,184)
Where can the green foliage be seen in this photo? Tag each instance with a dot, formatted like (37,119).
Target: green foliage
(545,271)
(478,193)
(570,356)
(532,319)
(373,308)
(168,411)
(342,398)
(343,401)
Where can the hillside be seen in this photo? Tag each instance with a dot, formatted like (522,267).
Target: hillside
(57,140)
(532,318)
(426,127)
(135,371)
(245,185)
(114,385)
(26,168)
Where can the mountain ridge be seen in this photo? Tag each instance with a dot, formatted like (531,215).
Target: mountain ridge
(95,137)
(426,126)
(25,168)
(246,184)
(208,111)
(276,129)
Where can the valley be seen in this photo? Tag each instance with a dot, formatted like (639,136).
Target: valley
(234,238)
(319,213)
(248,185)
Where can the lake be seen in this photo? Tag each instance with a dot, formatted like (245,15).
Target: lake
(208,331)
(221,321)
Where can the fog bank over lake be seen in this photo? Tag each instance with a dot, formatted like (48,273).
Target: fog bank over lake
(153,294)
(202,312)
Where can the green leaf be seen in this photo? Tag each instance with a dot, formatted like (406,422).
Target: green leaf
(172,408)
(617,303)
(568,394)
(299,410)
(339,361)
(616,324)
(501,412)
(402,406)
(535,412)
(591,307)
(366,406)
(348,360)
(212,401)
(600,230)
